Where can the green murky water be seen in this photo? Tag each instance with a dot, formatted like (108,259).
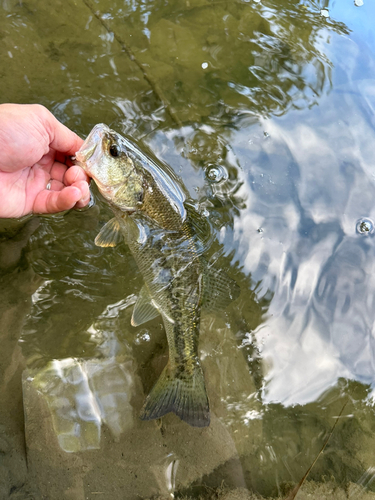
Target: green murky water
(266,111)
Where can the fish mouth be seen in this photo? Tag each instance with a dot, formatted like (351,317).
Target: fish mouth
(85,154)
(88,148)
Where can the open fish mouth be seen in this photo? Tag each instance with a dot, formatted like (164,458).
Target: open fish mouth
(85,154)
(93,140)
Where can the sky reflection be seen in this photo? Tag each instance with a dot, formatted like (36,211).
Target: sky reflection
(320,323)
(278,99)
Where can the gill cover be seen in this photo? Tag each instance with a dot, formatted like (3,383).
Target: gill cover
(166,181)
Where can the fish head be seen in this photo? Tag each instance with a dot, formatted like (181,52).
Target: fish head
(105,158)
(131,180)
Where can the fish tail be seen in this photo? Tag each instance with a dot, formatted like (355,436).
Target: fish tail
(182,392)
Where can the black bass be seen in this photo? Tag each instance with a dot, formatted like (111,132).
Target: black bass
(162,232)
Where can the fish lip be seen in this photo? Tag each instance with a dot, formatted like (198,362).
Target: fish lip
(84,154)
(92,141)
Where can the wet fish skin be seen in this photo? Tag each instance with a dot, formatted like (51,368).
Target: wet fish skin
(172,272)
(152,215)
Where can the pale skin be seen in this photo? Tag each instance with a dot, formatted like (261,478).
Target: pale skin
(35,151)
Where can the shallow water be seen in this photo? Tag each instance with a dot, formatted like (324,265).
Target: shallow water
(266,112)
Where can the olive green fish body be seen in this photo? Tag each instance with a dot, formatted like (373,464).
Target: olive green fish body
(171,267)
(165,238)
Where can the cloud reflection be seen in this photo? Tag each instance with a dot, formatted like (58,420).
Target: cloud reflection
(320,324)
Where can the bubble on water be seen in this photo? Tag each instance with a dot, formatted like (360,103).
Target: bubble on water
(324,13)
(358,3)
(216,173)
(365,226)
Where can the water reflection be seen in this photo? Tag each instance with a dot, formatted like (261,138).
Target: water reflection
(321,266)
(82,395)
(278,99)
(278,63)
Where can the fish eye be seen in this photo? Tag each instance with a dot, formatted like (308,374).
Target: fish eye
(114,150)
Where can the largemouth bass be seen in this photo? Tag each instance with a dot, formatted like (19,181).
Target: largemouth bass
(163,233)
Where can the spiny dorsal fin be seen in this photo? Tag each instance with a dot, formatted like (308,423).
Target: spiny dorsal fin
(143,310)
(109,235)
(182,393)
(219,290)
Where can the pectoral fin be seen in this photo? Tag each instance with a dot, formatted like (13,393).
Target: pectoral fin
(143,310)
(109,235)
(219,290)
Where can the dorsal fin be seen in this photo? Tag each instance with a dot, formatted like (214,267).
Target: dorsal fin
(219,290)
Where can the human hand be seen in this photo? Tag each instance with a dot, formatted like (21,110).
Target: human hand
(36,173)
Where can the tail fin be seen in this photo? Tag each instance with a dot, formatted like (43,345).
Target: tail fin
(183,393)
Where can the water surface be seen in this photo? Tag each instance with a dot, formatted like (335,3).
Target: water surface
(266,112)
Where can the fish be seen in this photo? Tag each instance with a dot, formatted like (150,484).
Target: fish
(167,238)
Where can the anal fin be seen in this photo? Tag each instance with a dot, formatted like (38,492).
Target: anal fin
(143,310)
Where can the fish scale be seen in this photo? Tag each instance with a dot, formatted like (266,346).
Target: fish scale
(178,298)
